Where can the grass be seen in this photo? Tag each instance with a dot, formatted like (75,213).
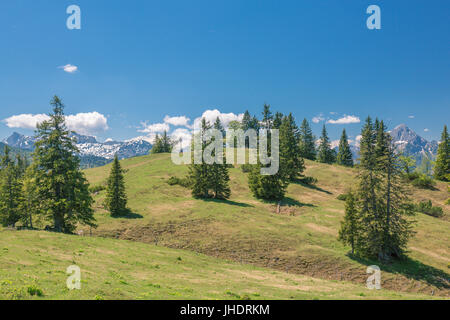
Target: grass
(242,234)
(34,266)
(301,239)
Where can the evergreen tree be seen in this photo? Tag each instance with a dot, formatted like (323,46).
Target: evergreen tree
(30,205)
(246,121)
(442,167)
(348,233)
(278,120)
(393,203)
(307,145)
(116,198)
(325,154)
(344,156)
(10,190)
(219,180)
(218,126)
(407,163)
(270,187)
(290,159)
(63,190)
(199,173)
(381,200)
(162,144)
(267,121)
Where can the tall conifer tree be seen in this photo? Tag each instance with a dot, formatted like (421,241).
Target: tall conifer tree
(442,167)
(63,190)
(344,156)
(116,197)
(307,144)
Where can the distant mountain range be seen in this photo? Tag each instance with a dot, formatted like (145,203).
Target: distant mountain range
(92,153)
(407,142)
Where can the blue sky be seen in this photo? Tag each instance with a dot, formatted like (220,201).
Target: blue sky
(140,61)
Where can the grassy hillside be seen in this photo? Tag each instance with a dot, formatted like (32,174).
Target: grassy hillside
(300,240)
(118,269)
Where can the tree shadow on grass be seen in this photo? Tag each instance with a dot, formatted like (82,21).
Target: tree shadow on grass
(229,202)
(310,186)
(412,269)
(289,202)
(128,214)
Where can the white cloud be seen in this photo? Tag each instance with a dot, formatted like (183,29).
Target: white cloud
(411,117)
(154,128)
(25,121)
(181,121)
(426,129)
(184,134)
(211,116)
(318,118)
(82,123)
(87,123)
(345,120)
(69,68)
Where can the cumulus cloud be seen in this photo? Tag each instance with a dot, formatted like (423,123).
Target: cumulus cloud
(69,68)
(411,117)
(211,116)
(182,134)
(154,128)
(426,129)
(25,121)
(345,120)
(87,123)
(82,123)
(181,121)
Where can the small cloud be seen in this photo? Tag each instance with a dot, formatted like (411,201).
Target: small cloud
(426,129)
(69,68)
(411,117)
(181,121)
(211,116)
(345,120)
(154,128)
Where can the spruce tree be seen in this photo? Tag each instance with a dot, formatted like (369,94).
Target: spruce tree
(162,144)
(116,198)
(218,126)
(270,187)
(199,173)
(63,190)
(30,205)
(307,145)
(348,233)
(381,199)
(442,167)
(290,159)
(267,121)
(277,120)
(10,190)
(325,154)
(344,156)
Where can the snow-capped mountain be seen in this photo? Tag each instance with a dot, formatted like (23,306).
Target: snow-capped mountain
(92,152)
(20,141)
(407,142)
